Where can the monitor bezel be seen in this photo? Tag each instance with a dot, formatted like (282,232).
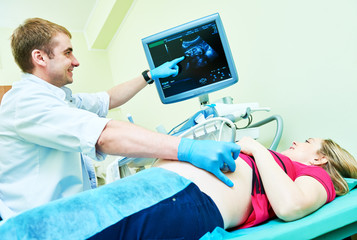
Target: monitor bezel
(204,89)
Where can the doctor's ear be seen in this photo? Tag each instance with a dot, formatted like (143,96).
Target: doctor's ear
(319,161)
(38,57)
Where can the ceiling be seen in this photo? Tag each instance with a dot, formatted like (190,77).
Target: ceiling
(72,14)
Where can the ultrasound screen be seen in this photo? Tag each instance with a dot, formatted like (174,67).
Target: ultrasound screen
(204,64)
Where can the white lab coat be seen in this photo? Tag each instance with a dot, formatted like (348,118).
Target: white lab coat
(43,132)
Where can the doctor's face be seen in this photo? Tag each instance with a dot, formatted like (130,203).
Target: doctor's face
(61,63)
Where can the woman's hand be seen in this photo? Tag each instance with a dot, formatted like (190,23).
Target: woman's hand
(250,146)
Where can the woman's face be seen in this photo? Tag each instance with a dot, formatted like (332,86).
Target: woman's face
(305,152)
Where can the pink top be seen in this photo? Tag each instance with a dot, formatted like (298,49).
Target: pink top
(262,209)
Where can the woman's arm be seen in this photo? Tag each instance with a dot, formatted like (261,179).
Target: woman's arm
(289,199)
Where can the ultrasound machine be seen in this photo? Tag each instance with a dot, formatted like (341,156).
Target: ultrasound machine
(208,66)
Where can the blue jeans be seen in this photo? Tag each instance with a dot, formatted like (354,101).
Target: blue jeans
(189,214)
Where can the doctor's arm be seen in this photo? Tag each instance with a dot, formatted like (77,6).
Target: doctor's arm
(127,139)
(123,92)
(289,199)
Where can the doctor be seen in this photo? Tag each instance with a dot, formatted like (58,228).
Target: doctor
(45,131)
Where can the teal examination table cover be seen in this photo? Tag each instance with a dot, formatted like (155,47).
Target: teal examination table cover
(335,220)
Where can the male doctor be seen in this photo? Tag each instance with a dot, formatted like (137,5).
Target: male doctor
(45,131)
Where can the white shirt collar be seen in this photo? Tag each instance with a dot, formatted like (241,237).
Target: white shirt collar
(63,92)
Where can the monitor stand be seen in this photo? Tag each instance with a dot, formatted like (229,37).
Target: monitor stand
(204,100)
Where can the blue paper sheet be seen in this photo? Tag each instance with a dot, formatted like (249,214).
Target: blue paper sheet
(87,213)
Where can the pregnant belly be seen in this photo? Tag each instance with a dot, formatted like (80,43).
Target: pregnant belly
(234,203)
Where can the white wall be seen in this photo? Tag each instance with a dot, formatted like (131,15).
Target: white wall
(9,72)
(297,57)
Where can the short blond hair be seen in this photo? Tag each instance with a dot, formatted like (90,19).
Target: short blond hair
(34,33)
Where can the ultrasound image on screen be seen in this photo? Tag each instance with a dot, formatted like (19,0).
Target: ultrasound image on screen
(199,53)
(205,61)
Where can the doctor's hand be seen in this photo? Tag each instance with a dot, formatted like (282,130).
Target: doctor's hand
(167,69)
(210,156)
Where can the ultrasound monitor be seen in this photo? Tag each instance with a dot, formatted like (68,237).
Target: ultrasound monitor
(208,65)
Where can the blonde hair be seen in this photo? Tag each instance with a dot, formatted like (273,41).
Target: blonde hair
(340,164)
(35,33)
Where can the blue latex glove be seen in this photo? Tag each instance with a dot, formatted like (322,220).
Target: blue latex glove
(167,69)
(210,155)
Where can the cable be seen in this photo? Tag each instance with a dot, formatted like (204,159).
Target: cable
(178,126)
(250,120)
